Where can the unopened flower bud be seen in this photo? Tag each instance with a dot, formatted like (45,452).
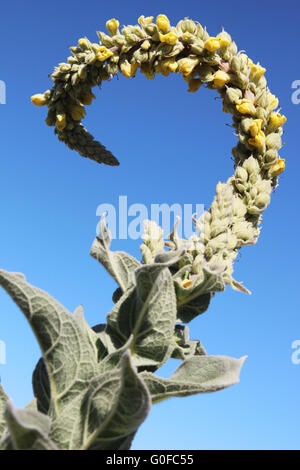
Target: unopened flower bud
(262,200)
(163,23)
(188,26)
(112,26)
(235,64)
(84,43)
(38,99)
(233,95)
(87,98)
(241,173)
(145,21)
(251,165)
(271,156)
(194,85)
(77,112)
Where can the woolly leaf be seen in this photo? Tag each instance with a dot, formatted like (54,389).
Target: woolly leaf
(148,312)
(184,347)
(198,374)
(29,430)
(3,401)
(118,264)
(41,386)
(115,406)
(189,310)
(68,354)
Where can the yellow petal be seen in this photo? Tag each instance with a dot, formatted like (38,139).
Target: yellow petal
(163,23)
(212,44)
(220,79)
(278,167)
(38,99)
(103,53)
(276,120)
(60,121)
(169,38)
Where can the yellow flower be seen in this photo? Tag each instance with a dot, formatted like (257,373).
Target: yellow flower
(276,120)
(144,21)
(112,26)
(220,79)
(103,53)
(38,100)
(259,141)
(77,112)
(87,98)
(272,101)
(256,71)
(169,38)
(167,66)
(224,39)
(163,23)
(61,122)
(278,167)
(194,85)
(246,107)
(146,45)
(186,283)
(128,69)
(255,127)
(186,66)
(212,44)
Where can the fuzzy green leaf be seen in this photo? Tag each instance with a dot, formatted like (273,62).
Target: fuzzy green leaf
(148,312)
(115,406)
(29,430)
(118,264)
(68,354)
(41,386)
(93,338)
(209,280)
(184,347)
(3,401)
(198,374)
(189,310)
(107,414)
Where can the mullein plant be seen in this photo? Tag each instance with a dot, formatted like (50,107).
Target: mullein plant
(94,387)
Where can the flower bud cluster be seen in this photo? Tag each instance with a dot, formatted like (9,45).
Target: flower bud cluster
(156,47)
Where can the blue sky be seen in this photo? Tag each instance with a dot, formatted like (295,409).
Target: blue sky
(173,147)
